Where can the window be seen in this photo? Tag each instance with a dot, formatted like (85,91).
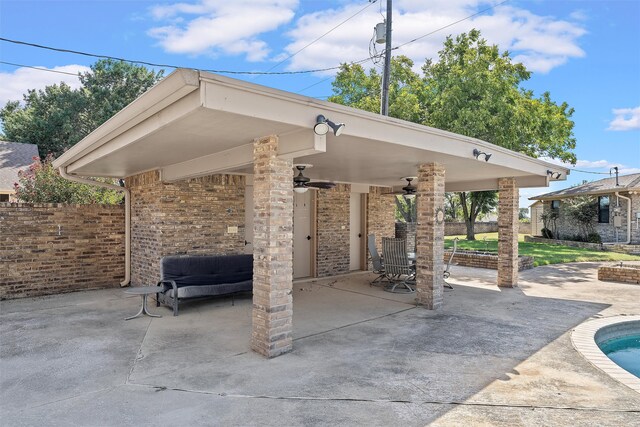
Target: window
(4,197)
(603,209)
(555,204)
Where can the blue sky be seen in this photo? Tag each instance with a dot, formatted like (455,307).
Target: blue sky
(586,53)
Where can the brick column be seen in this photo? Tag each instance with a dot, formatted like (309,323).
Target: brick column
(272,249)
(508,202)
(430,236)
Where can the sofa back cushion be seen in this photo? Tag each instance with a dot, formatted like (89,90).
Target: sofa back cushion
(198,270)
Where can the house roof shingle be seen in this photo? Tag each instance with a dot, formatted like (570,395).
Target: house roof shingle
(14,156)
(603,186)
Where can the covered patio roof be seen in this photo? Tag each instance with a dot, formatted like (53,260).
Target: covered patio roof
(195,123)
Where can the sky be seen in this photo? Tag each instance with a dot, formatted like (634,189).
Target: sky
(585,53)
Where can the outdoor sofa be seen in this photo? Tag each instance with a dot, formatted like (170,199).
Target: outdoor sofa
(196,276)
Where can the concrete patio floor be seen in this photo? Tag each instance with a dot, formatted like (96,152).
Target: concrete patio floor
(361,357)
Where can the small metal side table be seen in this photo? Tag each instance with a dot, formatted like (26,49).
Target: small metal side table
(143,291)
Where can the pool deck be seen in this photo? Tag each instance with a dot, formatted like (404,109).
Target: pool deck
(361,356)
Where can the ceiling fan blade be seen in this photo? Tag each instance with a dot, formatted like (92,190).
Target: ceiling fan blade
(394,193)
(322,185)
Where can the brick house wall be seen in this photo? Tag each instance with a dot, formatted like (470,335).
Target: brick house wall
(185,217)
(333,230)
(568,228)
(56,248)
(381,213)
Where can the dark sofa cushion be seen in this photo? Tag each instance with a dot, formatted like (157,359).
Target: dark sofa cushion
(207,269)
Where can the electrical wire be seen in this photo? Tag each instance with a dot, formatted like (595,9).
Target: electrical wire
(309,44)
(154,64)
(38,68)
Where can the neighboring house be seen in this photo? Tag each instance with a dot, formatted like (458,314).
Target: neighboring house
(14,157)
(618,217)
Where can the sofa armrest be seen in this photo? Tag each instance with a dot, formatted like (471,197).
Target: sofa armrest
(173,284)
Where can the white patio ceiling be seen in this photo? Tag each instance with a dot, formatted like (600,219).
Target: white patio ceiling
(193,124)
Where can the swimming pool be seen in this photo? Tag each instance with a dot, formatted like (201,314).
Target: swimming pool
(625,351)
(612,344)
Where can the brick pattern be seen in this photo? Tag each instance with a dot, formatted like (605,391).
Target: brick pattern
(484,260)
(38,258)
(624,274)
(185,217)
(273,250)
(508,204)
(381,213)
(430,236)
(333,230)
(567,227)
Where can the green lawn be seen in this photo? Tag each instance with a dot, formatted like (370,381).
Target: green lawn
(542,253)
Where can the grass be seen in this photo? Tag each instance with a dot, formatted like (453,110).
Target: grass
(542,253)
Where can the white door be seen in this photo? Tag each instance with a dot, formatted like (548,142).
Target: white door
(302,240)
(248,219)
(355,233)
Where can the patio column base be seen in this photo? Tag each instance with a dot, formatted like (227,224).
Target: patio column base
(430,236)
(508,203)
(272,250)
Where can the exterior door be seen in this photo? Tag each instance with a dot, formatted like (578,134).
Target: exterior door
(248,219)
(355,233)
(302,239)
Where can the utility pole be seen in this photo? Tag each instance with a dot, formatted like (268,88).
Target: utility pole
(384,99)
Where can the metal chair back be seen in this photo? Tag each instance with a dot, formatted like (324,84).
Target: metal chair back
(396,260)
(373,251)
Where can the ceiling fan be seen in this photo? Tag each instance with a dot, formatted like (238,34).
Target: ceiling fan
(408,191)
(302,183)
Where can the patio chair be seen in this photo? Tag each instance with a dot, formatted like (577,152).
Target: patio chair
(447,273)
(376,260)
(400,271)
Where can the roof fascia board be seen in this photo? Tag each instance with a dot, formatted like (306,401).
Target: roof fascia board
(151,124)
(166,92)
(236,96)
(292,145)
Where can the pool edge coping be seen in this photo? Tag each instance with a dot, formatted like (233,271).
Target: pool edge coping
(583,340)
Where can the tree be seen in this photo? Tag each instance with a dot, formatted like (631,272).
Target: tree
(57,117)
(523,214)
(474,204)
(474,90)
(406,209)
(452,206)
(42,183)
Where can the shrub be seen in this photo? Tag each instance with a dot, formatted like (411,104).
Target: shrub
(546,233)
(594,238)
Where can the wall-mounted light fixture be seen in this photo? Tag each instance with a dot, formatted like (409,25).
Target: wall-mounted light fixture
(553,175)
(323,124)
(477,153)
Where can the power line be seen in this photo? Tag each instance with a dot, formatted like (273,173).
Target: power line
(38,68)
(309,44)
(154,64)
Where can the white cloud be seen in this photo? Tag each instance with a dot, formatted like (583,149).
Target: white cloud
(625,119)
(221,26)
(540,42)
(14,84)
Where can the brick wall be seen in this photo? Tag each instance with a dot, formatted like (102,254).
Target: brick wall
(484,260)
(333,230)
(381,212)
(624,274)
(54,248)
(185,217)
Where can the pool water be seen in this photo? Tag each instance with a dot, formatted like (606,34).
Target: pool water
(624,351)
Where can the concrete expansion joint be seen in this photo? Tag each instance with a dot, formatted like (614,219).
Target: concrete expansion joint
(391,400)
